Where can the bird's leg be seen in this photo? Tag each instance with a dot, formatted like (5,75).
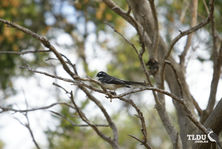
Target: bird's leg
(112,92)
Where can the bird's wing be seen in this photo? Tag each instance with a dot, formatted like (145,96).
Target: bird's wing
(113,80)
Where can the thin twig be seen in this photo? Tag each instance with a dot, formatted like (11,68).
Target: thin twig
(104,90)
(27,125)
(142,120)
(148,88)
(47,74)
(9,109)
(105,113)
(182,34)
(70,63)
(191,30)
(129,42)
(59,86)
(76,125)
(84,118)
(146,145)
(30,131)
(189,38)
(121,12)
(44,41)
(24,52)
(205,6)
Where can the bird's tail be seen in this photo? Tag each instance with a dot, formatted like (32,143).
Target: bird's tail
(135,83)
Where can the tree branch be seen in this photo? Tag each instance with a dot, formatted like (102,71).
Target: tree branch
(214,83)
(47,74)
(189,38)
(156,26)
(76,125)
(84,118)
(27,125)
(23,52)
(44,41)
(164,117)
(142,120)
(191,30)
(142,142)
(125,15)
(8,109)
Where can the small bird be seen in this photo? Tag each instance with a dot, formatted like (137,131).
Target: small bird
(113,83)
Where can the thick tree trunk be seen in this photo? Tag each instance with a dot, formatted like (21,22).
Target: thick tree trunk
(214,121)
(142,13)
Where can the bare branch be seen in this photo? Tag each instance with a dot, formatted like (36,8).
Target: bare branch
(76,125)
(70,63)
(44,41)
(126,16)
(189,38)
(164,117)
(205,6)
(84,118)
(214,122)
(137,52)
(189,113)
(191,30)
(142,120)
(104,90)
(129,42)
(24,52)
(121,12)
(177,76)
(156,26)
(105,113)
(8,109)
(30,131)
(27,125)
(47,74)
(59,86)
(184,33)
(186,5)
(199,110)
(148,88)
(142,142)
(214,82)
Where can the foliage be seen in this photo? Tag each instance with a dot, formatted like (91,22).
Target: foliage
(27,13)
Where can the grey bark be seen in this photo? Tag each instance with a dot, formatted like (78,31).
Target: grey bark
(142,13)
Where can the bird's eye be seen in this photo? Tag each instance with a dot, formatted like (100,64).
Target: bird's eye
(100,74)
